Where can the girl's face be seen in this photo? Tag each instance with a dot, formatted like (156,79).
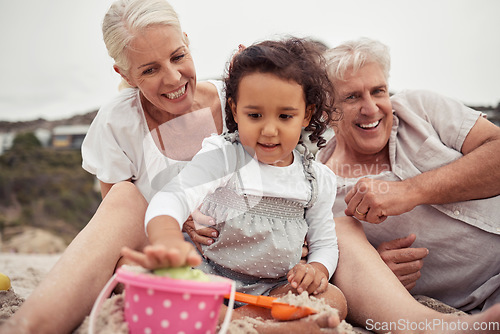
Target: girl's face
(270,113)
(162,68)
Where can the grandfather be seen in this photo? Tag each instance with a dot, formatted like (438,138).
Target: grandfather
(417,169)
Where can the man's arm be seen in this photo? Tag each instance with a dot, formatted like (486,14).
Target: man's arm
(474,176)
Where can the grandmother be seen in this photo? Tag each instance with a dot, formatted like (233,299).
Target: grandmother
(144,135)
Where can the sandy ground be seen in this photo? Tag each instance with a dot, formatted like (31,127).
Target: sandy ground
(26,271)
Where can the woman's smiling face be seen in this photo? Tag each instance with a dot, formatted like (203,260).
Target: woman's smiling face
(162,68)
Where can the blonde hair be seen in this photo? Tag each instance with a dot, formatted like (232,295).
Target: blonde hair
(125,18)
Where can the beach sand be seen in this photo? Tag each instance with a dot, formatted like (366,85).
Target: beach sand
(27,270)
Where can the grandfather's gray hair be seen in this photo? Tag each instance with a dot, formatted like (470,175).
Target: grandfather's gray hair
(354,55)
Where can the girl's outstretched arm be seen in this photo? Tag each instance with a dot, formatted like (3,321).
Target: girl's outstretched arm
(168,247)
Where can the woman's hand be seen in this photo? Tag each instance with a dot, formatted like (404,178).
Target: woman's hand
(197,228)
(308,277)
(305,252)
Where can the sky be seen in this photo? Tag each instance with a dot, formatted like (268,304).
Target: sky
(53,62)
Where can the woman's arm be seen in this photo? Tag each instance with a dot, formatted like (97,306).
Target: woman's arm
(197,227)
(106,187)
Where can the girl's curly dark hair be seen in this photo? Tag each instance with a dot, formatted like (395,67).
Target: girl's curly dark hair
(294,59)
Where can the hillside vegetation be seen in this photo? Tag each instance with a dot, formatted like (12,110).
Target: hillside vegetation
(44,188)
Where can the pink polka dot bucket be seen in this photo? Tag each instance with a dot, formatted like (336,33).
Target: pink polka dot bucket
(159,304)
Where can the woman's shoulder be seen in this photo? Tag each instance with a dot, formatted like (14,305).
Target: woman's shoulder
(211,94)
(212,85)
(125,104)
(209,91)
(123,111)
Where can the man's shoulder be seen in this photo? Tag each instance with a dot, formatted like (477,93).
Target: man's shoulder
(415,95)
(423,98)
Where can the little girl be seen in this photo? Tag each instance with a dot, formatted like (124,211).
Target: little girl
(264,195)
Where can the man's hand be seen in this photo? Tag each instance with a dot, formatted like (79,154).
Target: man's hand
(404,262)
(373,200)
(197,228)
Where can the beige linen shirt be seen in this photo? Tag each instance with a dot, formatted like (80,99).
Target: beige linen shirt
(463,238)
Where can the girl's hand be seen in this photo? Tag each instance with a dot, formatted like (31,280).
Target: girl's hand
(161,256)
(308,277)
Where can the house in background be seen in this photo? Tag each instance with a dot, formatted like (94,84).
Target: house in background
(60,137)
(44,136)
(6,140)
(69,136)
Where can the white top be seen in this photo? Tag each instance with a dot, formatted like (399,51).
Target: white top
(221,163)
(119,145)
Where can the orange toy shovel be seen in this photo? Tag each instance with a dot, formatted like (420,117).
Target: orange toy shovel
(279,311)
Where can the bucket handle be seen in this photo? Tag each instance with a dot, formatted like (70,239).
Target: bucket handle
(112,282)
(229,310)
(106,291)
